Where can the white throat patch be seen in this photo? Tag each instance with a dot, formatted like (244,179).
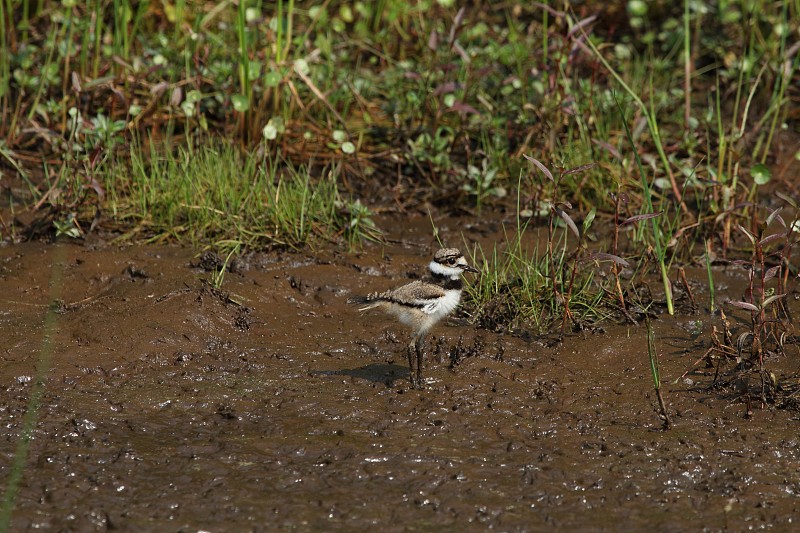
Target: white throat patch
(442,270)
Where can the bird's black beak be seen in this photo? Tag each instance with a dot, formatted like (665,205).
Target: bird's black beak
(468,268)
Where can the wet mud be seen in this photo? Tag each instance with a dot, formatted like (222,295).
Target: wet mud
(169,406)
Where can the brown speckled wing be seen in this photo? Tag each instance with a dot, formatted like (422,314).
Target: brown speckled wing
(415,294)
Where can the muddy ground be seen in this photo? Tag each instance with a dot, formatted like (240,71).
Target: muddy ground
(168,407)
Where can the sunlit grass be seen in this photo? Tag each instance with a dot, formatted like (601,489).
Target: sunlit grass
(515,293)
(219,193)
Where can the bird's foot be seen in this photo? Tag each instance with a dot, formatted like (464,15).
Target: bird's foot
(417,382)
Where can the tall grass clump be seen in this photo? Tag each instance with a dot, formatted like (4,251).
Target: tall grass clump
(515,292)
(543,279)
(220,193)
(510,292)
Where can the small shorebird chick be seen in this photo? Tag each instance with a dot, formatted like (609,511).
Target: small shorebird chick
(422,303)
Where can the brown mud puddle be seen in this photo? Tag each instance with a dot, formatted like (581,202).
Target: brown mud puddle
(168,407)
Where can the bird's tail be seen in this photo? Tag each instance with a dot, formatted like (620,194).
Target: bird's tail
(365,302)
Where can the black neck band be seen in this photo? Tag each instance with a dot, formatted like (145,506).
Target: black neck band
(446,282)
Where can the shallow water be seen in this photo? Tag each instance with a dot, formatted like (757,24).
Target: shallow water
(169,407)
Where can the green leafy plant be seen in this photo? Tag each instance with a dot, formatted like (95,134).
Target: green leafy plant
(360,226)
(433,149)
(480,182)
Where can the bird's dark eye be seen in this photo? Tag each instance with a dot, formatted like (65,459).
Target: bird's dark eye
(451,261)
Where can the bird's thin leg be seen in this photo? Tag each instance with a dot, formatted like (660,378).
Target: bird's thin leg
(411,374)
(418,348)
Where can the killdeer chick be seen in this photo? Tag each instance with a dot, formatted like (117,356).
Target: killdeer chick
(422,303)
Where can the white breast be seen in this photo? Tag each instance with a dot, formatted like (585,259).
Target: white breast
(442,307)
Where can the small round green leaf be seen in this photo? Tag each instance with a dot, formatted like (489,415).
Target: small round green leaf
(761,174)
(274,127)
(254,70)
(270,132)
(188,108)
(346,13)
(240,103)
(194,96)
(348,147)
(637,8)
(301,66)
(272,78)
